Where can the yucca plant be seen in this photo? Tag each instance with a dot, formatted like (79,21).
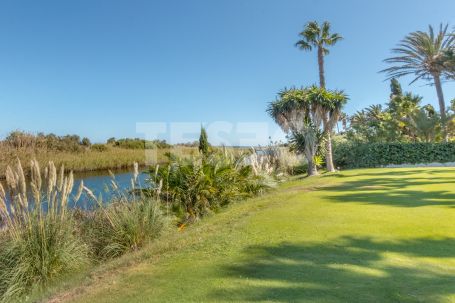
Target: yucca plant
(38,237)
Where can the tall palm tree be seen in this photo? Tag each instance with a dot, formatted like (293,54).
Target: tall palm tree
(319,37)
(423,54)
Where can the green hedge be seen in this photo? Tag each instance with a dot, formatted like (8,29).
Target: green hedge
(353,155)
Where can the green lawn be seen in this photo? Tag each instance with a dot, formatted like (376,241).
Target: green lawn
(375,235)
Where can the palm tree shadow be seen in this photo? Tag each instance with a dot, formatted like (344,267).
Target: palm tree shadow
(397,189)
(347,270)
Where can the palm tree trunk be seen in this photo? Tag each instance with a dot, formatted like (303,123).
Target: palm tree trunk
(442,105)
(312,170)
(328,145)
(321,67)
(328,157)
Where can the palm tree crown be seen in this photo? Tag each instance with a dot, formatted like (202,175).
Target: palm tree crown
(425,55)
(421,54)
(317,36)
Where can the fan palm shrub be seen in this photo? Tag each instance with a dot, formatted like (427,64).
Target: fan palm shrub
(192,188)
(424,124)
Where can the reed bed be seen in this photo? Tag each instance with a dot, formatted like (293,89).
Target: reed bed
(87,160)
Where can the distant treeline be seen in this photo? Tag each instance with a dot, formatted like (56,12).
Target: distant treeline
(74,143)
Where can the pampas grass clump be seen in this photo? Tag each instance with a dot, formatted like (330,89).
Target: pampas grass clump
(38,240)
(130,221)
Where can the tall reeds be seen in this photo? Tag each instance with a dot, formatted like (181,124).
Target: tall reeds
(127,223)
(38,241)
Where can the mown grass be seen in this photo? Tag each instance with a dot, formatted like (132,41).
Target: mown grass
(371,235)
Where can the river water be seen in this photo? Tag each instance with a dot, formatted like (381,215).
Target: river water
(99,183)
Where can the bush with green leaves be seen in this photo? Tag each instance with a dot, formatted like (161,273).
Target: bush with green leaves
(355,155)
(195,187)
(99,147)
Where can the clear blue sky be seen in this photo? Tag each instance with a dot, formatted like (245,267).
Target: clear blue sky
(96,67)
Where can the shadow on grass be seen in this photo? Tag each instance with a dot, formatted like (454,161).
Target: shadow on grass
(348,270)
(405,172)
(395,188)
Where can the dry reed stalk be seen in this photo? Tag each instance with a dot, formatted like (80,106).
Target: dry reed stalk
(136,171)
(90,193)
(3,208)
(79,191)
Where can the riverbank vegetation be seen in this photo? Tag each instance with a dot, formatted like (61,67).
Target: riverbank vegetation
(45,237)
(80,155)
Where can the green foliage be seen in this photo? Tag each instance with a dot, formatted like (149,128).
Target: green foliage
(354,155)
(99,147)
(137,143)
(422,54)
(395,88)
(403,119)
(318,36)
(195,187)
(43,251)
(424,124)
(426,56)
(23,140)
(307,115)
(203,142)
(86,142)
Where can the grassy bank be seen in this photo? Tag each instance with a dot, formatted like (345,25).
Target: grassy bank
(43,239)
(371,235)
(89,159)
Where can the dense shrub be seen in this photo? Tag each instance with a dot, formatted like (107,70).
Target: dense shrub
(138,143)
(99,147)
(197,186)
(23,140)
(353,155)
